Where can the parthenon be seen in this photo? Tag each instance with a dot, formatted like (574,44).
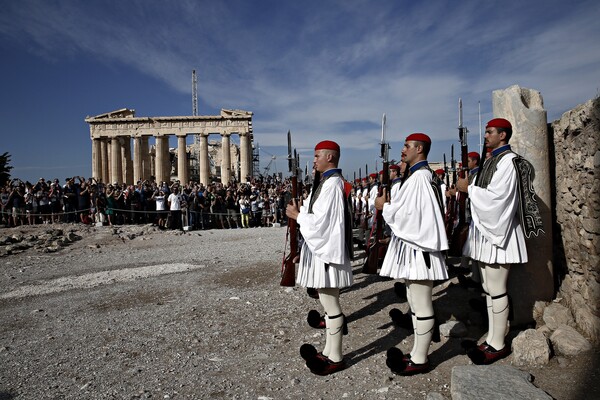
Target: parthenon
(113,132)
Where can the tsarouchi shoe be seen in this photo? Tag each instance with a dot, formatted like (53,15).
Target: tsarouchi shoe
(401,364)
(485,354)
(324,366)
(395,359)
(315,319)
(401,319)
(413,368)
(308,352)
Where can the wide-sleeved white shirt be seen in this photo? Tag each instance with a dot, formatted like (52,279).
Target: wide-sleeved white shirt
(415,217)
(495,233)
(323,229)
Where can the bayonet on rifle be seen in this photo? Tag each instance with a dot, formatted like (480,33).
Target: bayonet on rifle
(289,157)
(458,234)
(375,245)
(446,172)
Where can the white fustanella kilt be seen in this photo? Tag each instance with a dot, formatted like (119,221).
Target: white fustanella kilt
(403,261)
(313,273)
(479,248)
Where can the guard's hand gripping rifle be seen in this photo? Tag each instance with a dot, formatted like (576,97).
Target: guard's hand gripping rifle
(288,267)
(461,230)
(376,247)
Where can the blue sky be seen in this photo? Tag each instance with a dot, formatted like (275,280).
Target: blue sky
(322,69)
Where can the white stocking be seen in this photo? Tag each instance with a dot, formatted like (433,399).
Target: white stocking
(488,302)
(408,299)
(421,300)
(496,277)
(330,299)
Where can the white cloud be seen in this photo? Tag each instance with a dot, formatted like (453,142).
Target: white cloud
(331,68)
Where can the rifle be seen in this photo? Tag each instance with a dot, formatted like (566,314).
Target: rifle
(446,172)
(461,230)
(288,267)
(376,247)
(450,216)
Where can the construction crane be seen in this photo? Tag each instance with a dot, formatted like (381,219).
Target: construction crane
(194,94)
(268,167)
(271,162)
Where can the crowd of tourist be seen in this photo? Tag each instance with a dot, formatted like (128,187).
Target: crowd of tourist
(169,205)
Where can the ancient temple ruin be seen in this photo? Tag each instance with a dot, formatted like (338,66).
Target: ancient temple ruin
(112,135)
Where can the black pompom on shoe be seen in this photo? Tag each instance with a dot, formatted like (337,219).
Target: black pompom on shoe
(315,319)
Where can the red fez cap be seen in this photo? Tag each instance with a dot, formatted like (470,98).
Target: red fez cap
(327,145)
(373,175)
(499,123)
(357,180)
(395,166)
(439,171)
(473,154)
(381,172)
(419,137)
(364,179)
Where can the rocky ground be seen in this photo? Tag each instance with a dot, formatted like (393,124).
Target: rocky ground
(133,312)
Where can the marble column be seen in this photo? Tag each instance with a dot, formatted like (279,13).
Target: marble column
(225,159)
(244,170)
(534,281)
(152,158)
(146,158)
(116,172)
(137,159)
(104,159)
(250,157)
(127,161)
(159,160)
(182,164)
(204,166)
(166,159)
(96,158)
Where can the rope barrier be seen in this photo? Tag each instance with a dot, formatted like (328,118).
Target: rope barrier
(121,210)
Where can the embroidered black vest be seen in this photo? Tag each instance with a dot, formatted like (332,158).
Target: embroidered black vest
(529,212)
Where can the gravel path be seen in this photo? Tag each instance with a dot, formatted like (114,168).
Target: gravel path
(133,312)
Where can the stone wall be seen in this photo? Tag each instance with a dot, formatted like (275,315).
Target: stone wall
(577,231)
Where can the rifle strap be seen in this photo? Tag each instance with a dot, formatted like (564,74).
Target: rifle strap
(436,185)
(317,190)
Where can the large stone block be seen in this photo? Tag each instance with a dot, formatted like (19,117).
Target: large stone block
(493,382)
(568,342)
(588,323)
(556,315)
(531,348)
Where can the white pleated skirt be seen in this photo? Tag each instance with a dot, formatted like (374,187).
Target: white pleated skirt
(479,248)
(403,261)
(313,273)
